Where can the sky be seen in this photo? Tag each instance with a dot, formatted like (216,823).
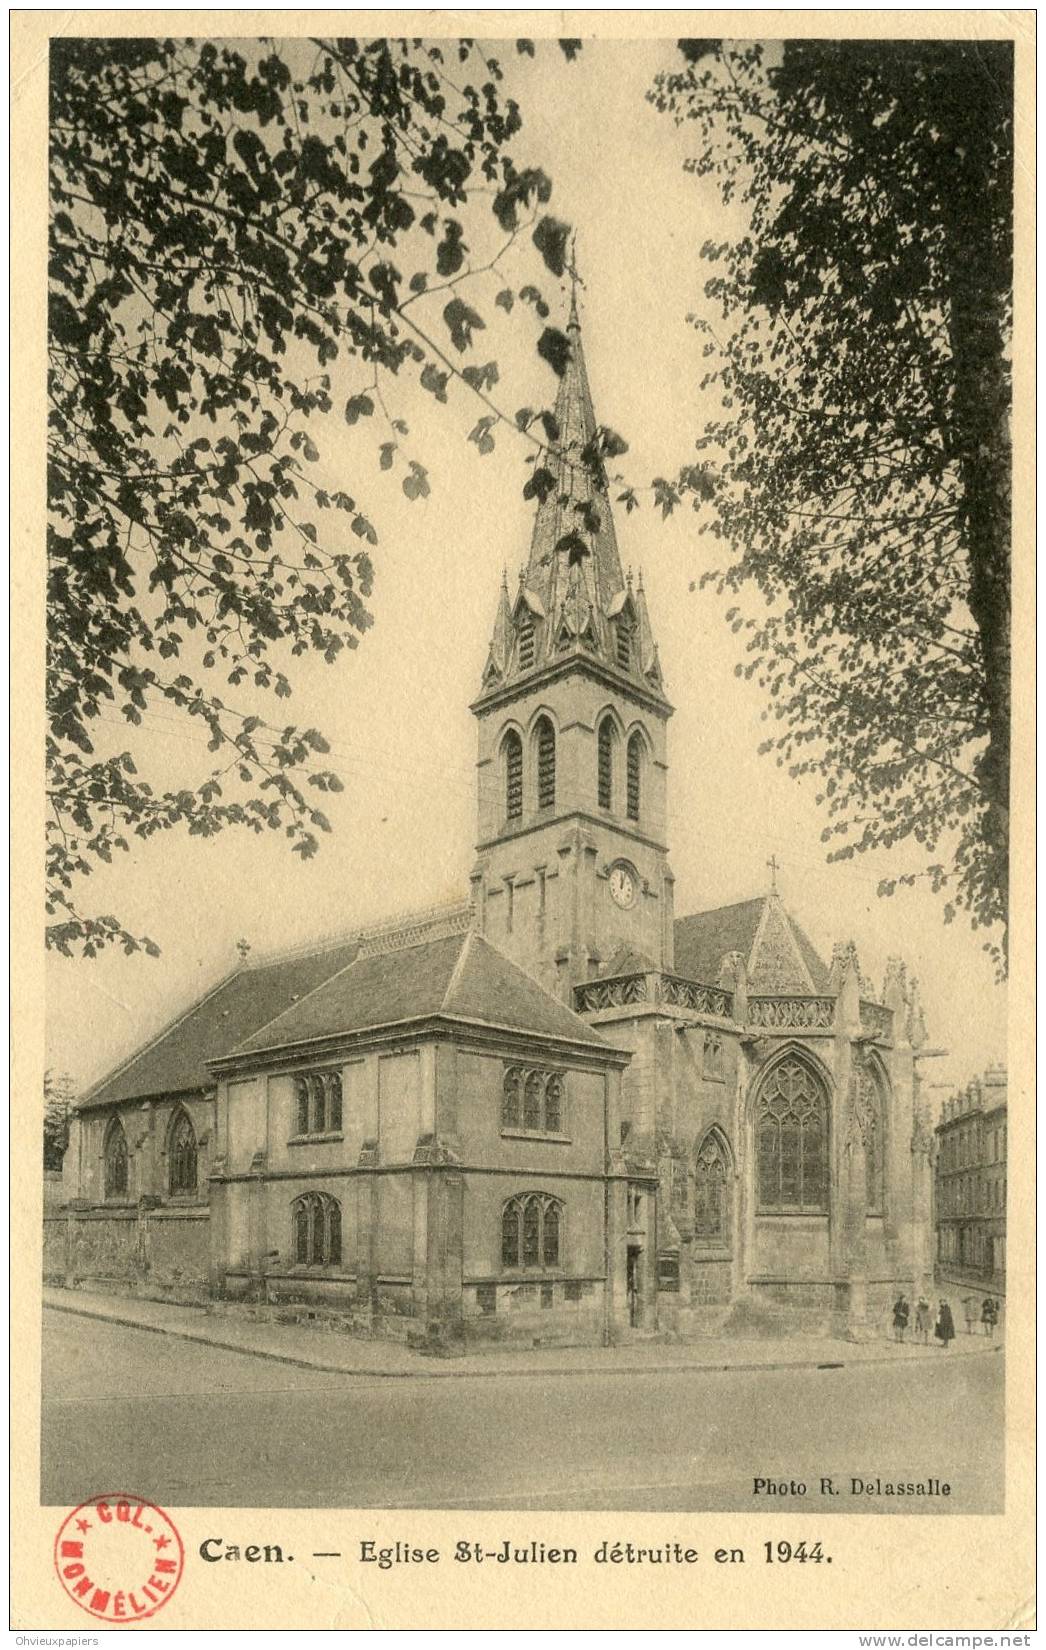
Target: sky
(395,710)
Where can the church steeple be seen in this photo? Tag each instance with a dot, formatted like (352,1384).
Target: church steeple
(571,858)
(574,600)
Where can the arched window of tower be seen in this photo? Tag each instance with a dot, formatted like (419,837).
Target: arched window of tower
(513,759)
(634,777)
(545,740)
(606,763)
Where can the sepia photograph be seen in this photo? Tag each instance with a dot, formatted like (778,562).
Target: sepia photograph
(528,738)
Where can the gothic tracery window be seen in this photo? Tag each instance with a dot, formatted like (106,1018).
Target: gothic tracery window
(318,1105)
(316,1230)
(792,1141)
(115,1156)
(606,763)
(633,775)
(531,1232)
(513,749)
(182,1157)
(545,738)
(712,1191)
(533,1100)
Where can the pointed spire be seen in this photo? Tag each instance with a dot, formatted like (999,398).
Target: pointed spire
(501,640)
(573,584)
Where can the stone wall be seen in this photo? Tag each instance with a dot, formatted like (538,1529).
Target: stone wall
(160,1253)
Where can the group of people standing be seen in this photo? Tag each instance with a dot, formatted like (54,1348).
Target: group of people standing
(944,1327)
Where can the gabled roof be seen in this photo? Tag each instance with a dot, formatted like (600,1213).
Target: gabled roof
(457,977)
(175,1061)
(704,939)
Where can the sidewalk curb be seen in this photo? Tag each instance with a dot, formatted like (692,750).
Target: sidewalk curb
(423,1374)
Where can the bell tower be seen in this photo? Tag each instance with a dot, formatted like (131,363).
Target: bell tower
(572,877)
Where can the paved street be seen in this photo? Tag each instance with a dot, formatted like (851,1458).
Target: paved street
(189,1425)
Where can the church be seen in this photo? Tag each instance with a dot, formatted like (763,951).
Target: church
(556,1112)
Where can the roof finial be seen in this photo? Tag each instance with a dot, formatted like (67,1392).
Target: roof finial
(773,867)
(575,282)
(243,947)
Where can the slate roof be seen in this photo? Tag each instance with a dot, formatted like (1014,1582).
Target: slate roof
(175,1061)
(703,940)
(457,977)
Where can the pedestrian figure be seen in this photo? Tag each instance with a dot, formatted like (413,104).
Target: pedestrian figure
(944,1328)
(969,1310)
(922,1319)
(900,1318)
(989,1315)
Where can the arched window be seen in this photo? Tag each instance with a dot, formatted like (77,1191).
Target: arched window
(301,1099)
(792,1141)
(634,775)
(712,1191)
(532,1101)
(513,749)
(531,1232)
(545,739)
(554,1103)
(334,1100)
(115,1154)
(319,1104)
(181,1157)
(301,1232)
(510,1098)
(605,757)
(316,1228)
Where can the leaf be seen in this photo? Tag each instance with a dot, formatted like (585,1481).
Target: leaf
(540,485)
(481,378)
(435,381)
(357,407)
(695,50)
(416,484)
(525,48)
(481,434)
(505,300)
(570,49)
(388,449)
(551,237)
(461,321)
(450,253)
(554,347)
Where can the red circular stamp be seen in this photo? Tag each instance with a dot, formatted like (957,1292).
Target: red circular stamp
(119,1558)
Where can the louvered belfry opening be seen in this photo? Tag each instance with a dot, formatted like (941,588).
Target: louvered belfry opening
(635,766)
(606,763)
(513,775)
(546,750)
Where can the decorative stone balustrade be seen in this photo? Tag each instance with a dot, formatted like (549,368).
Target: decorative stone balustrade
(765,1013)
(656,989)
(791,1013)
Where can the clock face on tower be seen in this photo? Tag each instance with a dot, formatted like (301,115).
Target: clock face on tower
(623,885)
